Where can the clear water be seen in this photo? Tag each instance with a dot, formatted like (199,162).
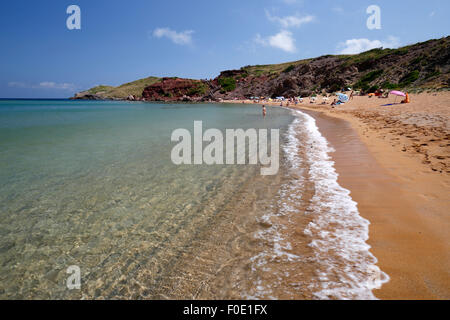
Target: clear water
(91,184)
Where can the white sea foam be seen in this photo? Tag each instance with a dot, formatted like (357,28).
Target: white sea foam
(347,269)
(338,232)
(289,195)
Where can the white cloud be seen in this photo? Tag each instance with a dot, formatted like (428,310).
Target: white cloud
(290,21)
(181,38)
(338,10)
(54,85)
(282,40)
(432,14)
(354,46)
(43,85)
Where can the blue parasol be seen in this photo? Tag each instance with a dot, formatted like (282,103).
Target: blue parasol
(342,97)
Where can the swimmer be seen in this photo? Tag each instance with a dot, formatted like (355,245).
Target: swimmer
(264,111)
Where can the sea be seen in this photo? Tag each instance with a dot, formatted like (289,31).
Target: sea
(93,207)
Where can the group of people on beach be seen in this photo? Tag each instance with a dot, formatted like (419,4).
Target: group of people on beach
(336,101)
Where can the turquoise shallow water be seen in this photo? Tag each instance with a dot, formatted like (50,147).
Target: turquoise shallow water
(92,184)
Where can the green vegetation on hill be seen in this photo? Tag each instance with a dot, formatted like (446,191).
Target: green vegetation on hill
(227,84)
(199,90)
(371,76)
(100,89)
(409,78)
(390,86)
(364,82)
(134,88)
(421,65)
(371,55)
(289,69)
(272,69)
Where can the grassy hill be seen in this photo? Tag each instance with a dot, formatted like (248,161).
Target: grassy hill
(413,67)
(134,88)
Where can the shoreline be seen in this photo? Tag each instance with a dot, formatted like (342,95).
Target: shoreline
(406,203)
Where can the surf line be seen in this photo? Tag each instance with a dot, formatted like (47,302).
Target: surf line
(213,153)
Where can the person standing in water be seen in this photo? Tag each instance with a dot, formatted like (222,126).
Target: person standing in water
(264,111)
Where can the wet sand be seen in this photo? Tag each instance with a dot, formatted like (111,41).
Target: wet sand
(409,230)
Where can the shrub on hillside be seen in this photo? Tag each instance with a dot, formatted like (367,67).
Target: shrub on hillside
(371,76)
(409,78)
(373,89)
(390,86)
(198,90)
(289,69)
(227,84)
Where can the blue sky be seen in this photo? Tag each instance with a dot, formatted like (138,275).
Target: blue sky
(122,41)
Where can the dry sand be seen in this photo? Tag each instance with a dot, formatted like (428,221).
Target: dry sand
(396,162)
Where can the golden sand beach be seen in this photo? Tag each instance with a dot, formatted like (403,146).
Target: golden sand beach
(395,160)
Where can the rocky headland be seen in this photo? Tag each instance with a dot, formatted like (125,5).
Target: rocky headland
(422,65)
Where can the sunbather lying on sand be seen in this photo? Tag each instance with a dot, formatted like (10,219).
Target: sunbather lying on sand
(406,99)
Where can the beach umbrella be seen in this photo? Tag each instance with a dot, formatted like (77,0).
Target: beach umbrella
(397,94)
(342,97)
